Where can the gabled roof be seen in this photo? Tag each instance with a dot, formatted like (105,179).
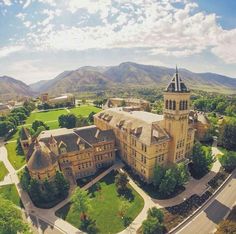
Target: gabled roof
(176,84)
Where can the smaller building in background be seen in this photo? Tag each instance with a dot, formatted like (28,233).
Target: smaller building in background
(67,99)
(137,104)
(201,123)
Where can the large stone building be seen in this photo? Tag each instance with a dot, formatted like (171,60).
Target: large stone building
(76,152)
(142,140)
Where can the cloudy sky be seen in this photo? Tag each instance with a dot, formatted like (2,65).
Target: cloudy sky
(41,38)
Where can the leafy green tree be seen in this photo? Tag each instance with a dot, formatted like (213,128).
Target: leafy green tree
(11,221)
(123,208)
(82,121)
(81,203)
(61,184)
(202,160)
(121,181)
(182,174)
(67,121)
(158,175)
(90,117)
(168,183)
(50,191)
(152,226)
(25,179)
(34,191)
(37,123)
(228,160)
(156,213)
(228,134)
(6,127)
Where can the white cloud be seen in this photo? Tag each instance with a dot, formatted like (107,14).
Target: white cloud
(7,50)
(27,3)
(226,46)
(7,2)
(21,16)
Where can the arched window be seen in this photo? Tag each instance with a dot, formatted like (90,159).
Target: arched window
(174,105)
(170,105)
(166,104)
(180,105)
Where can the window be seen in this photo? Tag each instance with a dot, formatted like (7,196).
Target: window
(174,105)
(166,104)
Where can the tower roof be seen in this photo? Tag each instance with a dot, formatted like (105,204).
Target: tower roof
(176,84)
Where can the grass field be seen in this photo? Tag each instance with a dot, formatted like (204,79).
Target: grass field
(9,192)
(3,171)
(84,110)
(105,207)
(50,116)
(16,160)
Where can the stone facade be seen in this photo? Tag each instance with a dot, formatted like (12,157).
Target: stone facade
(145,140)
(76,152)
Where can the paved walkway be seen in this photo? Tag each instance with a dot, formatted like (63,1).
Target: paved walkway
(193,187)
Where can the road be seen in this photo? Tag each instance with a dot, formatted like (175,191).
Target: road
(206,221)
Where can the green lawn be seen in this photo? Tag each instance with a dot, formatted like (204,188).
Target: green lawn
(105,207)
(84,110)
(9,192)
(45,116)
(16,160)
(3,171)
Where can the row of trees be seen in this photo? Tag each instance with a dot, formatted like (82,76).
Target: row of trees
(217,103)
(228,160)
(47,192)
(9,123)
(72,121)
(169,180)
(47,106)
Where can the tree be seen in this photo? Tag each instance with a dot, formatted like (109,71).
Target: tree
(226,227)
(6,127)
(228,160)
(34,190)
(67,121)
(168,183)
(228,134)
(11,221)
(202,160)
(90,117)
(61,184)
(81,203)
(124,206)
(25,179)
(156,213)
(37,123)
(121,181)
(158,175)
(182,174)
(82,121)
(152,226)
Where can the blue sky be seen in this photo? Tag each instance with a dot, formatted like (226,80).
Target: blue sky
(41,38)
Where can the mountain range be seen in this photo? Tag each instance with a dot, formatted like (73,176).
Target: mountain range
(127,75)
(11,88)
(130,75)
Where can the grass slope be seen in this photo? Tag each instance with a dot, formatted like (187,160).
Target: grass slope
(15,159)
(9,192)
(3,171)
(105,207)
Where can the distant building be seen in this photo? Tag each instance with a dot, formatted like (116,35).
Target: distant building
(138,104)
(67,99)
